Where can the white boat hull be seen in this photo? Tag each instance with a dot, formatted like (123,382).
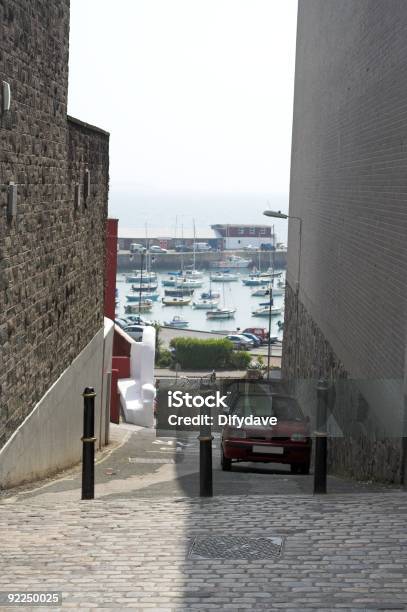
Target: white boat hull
(226,314)
(223,278)
(205,305)
(265,312)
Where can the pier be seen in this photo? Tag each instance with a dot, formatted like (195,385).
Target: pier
(172,260)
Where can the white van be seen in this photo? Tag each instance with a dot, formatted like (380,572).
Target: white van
(137,248)
(202,246)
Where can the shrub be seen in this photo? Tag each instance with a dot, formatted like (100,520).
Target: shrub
(194,353)
(164,359)
(240,360)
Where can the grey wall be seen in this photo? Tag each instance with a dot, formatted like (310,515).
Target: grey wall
(349,186)
(349,181)
(49,439)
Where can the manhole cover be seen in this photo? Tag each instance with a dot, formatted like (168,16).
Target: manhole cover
(149,460)
(236,547)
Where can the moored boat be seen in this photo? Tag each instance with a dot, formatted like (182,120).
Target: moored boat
(176,301)
(223,277)
(278,289)
(143,306)
(221,313)
(234,261)
(179,291)
(148,287)
(261,291)
(264,311)
(254,281)
(141,277)
(205,304)
(176,281)
(145,296)
(176,321)
(210,295)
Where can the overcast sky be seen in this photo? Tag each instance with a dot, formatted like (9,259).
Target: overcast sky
(197,94)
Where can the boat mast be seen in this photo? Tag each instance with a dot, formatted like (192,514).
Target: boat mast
(182,252)
(272,256)
(148,264)
(193,220)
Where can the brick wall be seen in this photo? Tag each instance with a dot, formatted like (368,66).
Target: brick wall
(349,179)
(349,186)
(52,253)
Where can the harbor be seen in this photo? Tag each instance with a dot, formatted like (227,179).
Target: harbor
(172,260)
(196,312)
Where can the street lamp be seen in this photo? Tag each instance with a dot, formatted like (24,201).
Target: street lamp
(277,214)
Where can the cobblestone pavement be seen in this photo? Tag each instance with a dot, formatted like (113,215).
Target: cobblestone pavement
(345,552)
(143,464)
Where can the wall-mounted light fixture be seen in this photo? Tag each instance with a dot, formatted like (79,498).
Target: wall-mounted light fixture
(6,96)
(11,200)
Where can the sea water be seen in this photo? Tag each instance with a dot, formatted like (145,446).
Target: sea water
(232,295)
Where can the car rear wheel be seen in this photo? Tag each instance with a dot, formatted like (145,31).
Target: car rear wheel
(304,468)
(225,462)
(300,468)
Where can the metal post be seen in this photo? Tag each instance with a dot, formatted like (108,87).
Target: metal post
(321,439)
(269,338)
(88,444)
(141,281)
(205,453)
(297,293)
(271,287)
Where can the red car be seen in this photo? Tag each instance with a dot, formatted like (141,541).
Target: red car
(260,332)
(288,441)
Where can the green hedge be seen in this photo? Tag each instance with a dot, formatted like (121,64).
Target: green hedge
(193,353)
(240,360)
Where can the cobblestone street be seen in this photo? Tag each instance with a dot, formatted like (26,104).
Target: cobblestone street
(132,546)
(339,552)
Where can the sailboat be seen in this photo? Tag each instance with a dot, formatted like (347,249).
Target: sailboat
(176,281)
(223,277)
(136,297)
(176,301)
(205,304)
(264,311)
(254,281)
(221,313)
(143,306)
(261,291)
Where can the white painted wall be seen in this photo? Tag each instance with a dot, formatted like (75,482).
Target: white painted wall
(49,439)
(239,242)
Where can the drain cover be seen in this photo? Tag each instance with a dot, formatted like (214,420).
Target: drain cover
(236,547)
(150,460)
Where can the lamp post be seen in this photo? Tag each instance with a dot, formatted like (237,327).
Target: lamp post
(280,215)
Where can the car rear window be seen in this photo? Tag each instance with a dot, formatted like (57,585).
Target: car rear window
(284,408)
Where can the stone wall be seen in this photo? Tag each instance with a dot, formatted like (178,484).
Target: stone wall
(52,253)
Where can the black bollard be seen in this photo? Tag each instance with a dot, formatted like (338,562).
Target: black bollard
(205,453)
(321,439)
(88,444)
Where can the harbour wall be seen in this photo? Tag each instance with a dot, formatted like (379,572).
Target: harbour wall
(168,261)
